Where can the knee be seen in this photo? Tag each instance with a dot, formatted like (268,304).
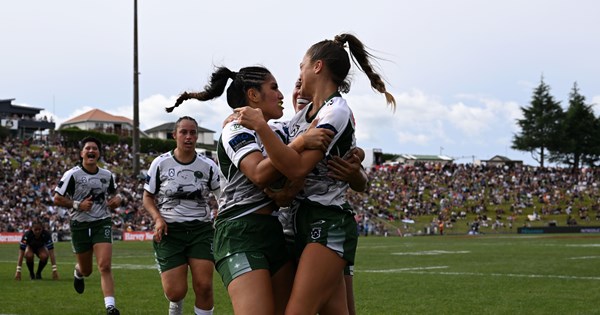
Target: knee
(104,267)
(175,294)
(203,288)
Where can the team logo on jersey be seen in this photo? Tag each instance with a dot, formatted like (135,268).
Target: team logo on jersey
(171,172)
(235,127)
(315,233)
(84,179)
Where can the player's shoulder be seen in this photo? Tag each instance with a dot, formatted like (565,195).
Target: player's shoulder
(337,104)
(205,159)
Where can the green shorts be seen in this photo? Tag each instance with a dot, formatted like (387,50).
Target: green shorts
(332,227)
(85,234)
(251,242)
(184,240)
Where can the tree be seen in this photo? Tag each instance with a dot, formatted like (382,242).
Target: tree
(540,126)
(580,141)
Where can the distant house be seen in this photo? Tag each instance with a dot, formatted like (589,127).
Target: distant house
(22,121)
(499,160)
(204,144)
(165,131)
(101,121)
(411,159)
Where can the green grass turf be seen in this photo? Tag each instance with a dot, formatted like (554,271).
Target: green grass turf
(484,274)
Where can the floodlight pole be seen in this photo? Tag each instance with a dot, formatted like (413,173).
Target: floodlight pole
(136,98)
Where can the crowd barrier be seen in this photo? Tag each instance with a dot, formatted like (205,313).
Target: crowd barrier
(558,229)
(15,237)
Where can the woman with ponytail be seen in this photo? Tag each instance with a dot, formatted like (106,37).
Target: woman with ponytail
(249,246)
(326,234)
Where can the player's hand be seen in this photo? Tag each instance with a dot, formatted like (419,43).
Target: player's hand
(160,229)
(18,276)
(317,138)
(86,204)
(344,168)
(251,118)
(54,275)
(114,202)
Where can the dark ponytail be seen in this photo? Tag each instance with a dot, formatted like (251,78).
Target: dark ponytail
(245,79)
(335,57)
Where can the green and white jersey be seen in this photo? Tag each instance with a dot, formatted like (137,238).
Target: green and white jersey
(182,190)
(239,195)
(336,116)
(77,184)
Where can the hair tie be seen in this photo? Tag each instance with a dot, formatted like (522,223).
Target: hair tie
(233,75)
(339,40)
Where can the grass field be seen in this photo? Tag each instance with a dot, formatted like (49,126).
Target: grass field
(484,274)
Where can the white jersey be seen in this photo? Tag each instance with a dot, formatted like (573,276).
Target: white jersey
(182,189)
(336,116)
(239,195)
(77,184)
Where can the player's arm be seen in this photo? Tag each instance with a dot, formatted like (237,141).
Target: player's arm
(117,198)
(53,261)
(284,197)
(160,226)
(84,205)
(20,262)
(288,161)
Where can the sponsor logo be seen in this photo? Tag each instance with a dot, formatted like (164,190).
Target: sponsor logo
(241,140)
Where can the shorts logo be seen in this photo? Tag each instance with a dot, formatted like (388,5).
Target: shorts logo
(107,232)
(315,233)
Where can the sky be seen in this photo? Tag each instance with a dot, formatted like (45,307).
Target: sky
(460,70)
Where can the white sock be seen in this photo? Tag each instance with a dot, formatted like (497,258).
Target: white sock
(198,311)
(176,308)
(75,274)
(109,301)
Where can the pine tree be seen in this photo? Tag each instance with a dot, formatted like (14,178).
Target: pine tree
(540,126)
(580,130)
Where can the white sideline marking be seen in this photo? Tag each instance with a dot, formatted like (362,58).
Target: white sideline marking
(449,273)
(583,245)
(133,267)
(432,252)
(403,269)
(585,257)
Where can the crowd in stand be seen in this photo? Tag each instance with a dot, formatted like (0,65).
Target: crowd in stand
(495,194)
(401,193)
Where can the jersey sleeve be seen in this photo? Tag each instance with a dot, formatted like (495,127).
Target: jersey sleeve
(24,241)
(238,142)
(281,130)
(153,177)
(336,119)
(66,185)
(48,240)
